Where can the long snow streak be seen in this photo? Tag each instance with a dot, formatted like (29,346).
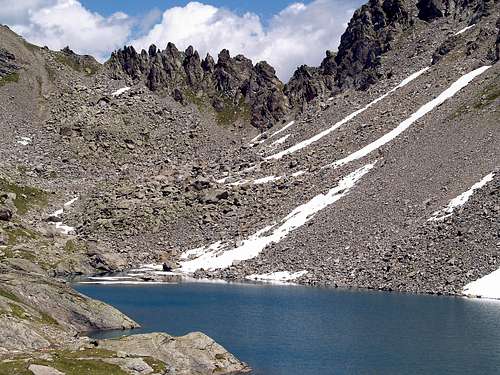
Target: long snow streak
(280,140)
(464,30)
(486,287)
(283,128)
(461,199)
(216,257)
(426,108)
(337,125)
(277,277)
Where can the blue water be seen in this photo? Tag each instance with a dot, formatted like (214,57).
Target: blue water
(299,330)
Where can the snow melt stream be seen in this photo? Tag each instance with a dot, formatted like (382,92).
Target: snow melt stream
(216,257)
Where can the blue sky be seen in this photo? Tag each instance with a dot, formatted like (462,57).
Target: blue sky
(284,33)
(264,8)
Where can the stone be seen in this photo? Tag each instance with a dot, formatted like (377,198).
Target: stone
(5,214)
(44,370)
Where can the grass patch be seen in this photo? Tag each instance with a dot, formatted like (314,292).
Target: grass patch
(47,319)
(488,96)
(89,353)
(158,366)
(17,367)
(78,66)
(19,235)
(72,366)
(73,247)
(17,311)
(6,294)
(26,197)
(9,78)
(232,112)
(200,102)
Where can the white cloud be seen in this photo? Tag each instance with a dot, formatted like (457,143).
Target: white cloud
(58,23)
(299,34)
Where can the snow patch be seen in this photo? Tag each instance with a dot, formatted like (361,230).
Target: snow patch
(298,173)
(24,141)
(283,128)
(210,259)
(280,140)
(59,224)
(345,120)
(422,111)
(486,287)
(280,277)
(464,29)
(265,180)
(461,199)
(120,91)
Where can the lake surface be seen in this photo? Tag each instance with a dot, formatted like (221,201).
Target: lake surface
(292,330)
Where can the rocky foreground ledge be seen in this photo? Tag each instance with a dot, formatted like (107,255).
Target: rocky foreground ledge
(41,320)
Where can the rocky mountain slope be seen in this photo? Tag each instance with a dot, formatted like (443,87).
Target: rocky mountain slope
(378,169)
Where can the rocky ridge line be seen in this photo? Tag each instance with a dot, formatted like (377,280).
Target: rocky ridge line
(234,87)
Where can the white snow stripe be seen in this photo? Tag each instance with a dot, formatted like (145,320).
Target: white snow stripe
(265,180)
(464,29)
(485,287)
(120,91)
(348,118)
(281,140)
(461,199)
(422,111)
(281,276)
(283,128)
(250,248)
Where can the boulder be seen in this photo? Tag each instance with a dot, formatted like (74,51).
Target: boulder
(44,370)
(192,354)
(5,214)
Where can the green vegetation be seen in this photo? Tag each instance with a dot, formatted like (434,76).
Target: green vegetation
(26,197)
(9,78)
(17,311)
(78,66)
(18,235)
(47,319)
(82,362)
(159,367)
(489,95)
(6,294)
(200,102)
(232,113)
(88,353)
(18,367)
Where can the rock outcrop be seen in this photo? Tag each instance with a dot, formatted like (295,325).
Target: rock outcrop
(7,63)
(192,354)
(232,86)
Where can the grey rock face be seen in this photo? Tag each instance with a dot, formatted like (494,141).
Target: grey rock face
(192,354)
(233,84)
(7,63)
(5,214)
(44,370)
